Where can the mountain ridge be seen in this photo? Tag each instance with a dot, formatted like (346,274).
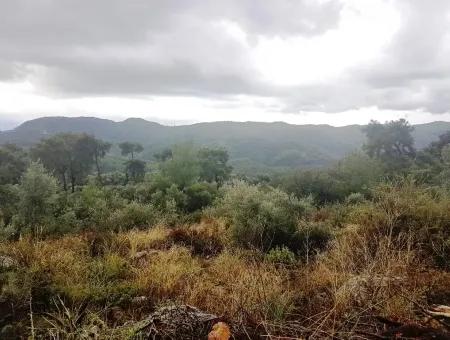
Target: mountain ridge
(251,144)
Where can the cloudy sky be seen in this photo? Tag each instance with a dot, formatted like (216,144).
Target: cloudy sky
(178,61)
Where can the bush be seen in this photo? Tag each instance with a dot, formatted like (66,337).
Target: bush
(407,208)
(281,255)
(199,195)
(133,215)
(312,238)
(203,239)
(261,217)
(354,198)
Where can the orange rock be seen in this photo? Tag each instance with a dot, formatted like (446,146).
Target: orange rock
(220,331)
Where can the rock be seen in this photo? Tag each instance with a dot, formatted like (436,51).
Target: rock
(7,262)
(176,322)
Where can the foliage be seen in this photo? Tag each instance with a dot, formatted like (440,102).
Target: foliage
(281,255)
(13,163)
(128,148)
(133,215)
(183,168)
(37,194)
(261,217)
(135,169)
(391,142)
(70,156)
(254,251)
(312,238)
(213,165)
(404,207)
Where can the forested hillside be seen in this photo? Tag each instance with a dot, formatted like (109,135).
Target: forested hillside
(183,247)
(260,147)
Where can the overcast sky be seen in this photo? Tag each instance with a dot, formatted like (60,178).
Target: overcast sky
(178,61)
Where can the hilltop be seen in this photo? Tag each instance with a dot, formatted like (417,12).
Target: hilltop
(252,145)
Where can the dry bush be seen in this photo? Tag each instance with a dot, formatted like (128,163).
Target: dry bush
(244,291)
(407,208)
(361,276)
(134,241)
(166,274)
(207,238)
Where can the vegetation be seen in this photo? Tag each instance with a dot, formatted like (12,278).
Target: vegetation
(319,253)
(254,148)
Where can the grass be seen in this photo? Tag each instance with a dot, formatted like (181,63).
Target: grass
(105,282)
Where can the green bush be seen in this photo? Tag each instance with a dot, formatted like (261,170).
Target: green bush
(199,195)
(261,217)
(281,255)
(133,215)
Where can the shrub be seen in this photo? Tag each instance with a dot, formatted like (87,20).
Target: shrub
(404,207)
(281,255)
(243,289)
(312,238)
(354,198)
(199,195)
(93,205)
(203,239)
(37,197)
(261,217)
(133,215)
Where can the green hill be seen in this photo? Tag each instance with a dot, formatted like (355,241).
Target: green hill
(253,146)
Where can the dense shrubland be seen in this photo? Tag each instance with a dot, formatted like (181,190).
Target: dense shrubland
(324,253)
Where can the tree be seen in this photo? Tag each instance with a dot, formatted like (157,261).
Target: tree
(101,148)
(135,169)
(183,168)
(163,155)
(213,165)
(445,154)
(127,148)
(70,156)
(13,162)
(435,148)
(391,142)
(37,194)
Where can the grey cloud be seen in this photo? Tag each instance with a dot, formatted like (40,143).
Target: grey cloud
(106,47)
(415,74)
(172,47)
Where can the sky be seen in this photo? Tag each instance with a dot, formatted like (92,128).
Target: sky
(334,62)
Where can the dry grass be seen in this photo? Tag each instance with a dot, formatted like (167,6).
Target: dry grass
(361,275)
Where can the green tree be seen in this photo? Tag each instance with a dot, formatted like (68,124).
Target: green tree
(128,148)
(37,194)
(101,148)
(445,154)
(13,162)
(214,165)
(436,147)
(70,156)
(135,170)
(391,142)
(183,168)
(163,155)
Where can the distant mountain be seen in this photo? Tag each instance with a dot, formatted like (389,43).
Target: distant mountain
(252,145)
